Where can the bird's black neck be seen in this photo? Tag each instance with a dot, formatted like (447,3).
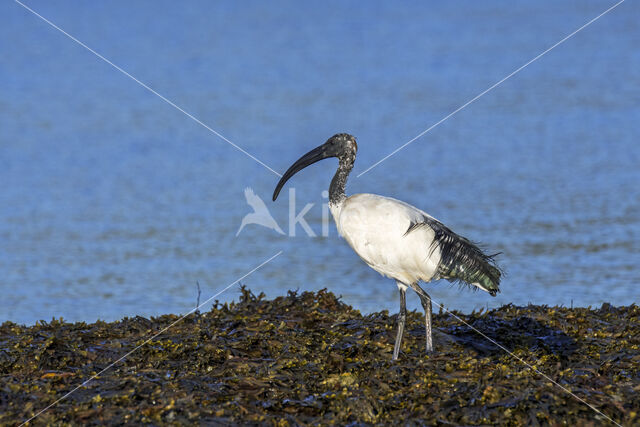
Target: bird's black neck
(339,182)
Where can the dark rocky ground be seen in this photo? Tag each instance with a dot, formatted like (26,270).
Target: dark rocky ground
(309,359)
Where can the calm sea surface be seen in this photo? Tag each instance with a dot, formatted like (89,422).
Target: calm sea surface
(113,203)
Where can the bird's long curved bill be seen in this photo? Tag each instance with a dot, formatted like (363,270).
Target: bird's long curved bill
(310,158)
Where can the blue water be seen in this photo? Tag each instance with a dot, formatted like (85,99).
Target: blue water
(113,203)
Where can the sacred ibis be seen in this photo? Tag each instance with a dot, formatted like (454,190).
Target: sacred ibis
(396,239)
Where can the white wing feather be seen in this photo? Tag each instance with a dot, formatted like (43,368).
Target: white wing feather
(375,227)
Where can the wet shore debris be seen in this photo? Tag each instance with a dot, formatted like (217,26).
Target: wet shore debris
(309,358)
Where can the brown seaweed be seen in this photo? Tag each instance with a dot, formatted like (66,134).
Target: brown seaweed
(311,359)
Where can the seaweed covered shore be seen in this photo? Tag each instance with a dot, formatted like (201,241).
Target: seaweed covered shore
(309,358)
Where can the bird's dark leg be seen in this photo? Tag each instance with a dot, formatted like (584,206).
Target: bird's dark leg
(402,316)
(426,305)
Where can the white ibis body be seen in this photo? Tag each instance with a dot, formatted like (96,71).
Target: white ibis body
(396,239)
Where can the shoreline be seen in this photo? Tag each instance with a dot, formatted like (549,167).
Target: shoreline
(309,358)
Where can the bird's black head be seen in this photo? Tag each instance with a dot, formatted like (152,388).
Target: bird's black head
(344,145)
(341,145)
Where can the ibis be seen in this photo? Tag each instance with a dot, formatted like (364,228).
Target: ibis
(396,239)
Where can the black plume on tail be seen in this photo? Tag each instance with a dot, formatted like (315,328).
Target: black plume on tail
(461,261)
